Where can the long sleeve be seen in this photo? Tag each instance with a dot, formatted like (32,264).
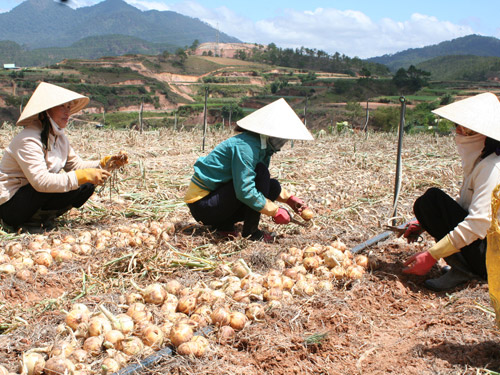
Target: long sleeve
(484,178)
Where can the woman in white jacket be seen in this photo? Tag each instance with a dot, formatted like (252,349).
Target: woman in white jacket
(32,190)
(460,227)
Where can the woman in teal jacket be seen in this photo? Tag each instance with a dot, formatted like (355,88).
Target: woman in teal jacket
(233,183)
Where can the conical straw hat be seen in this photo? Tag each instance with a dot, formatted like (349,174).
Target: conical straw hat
(480,113)
(47,96)
(276,119)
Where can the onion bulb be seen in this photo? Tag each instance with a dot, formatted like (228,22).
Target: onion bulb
(4,371)
(220,316)
(63,348)
(324,285)
(13,248)
(187,304)
(121,322)
(33,363)
(273,304)
(93,345)
(225,334)
(110,365)
(7,268)
(132,346)
(173,287)
(307,214)
(136,306)
(154,293)
(238,320)
(361,260)
(338,244)
(180,333)
(338,272)
(355,272)
(310,251)
(311,263)
(79,356)
(333,257)
(303,288)
(61,255)
(255,311)
(152,336)
(99,325)
(241,269)
(133,298)
(199,320)
(58,366)
(273,294)
(113,339)
(75,317)
(195,347)
(43,258)
(241,296)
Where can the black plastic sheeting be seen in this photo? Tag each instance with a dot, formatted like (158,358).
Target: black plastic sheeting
(156,357)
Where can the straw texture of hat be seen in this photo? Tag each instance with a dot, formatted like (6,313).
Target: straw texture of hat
(48,96)
(276,119)
(480,113)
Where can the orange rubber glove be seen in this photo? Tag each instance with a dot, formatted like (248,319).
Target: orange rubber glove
(419,264)
(95,176)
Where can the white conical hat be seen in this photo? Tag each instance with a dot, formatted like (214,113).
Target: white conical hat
(480,113)
(48,96)
(276,119)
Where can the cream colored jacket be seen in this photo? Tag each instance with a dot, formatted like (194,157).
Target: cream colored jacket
(26,162)
(479,180)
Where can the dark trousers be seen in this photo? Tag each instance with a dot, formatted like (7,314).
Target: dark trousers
(438,214)
(27,201)
(221,209)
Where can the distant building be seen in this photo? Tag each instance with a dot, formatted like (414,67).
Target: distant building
(225,49)
(10,66)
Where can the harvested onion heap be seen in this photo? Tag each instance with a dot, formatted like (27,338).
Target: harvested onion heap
(43,251)
(160,315)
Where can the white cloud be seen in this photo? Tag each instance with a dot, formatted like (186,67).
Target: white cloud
(353,33)
(348,32)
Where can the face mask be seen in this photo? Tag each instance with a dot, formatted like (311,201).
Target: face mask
(57,130)
(276,143)
(469,148)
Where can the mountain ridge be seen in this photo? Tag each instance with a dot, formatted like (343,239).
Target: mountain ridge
(473,44)
(58,25)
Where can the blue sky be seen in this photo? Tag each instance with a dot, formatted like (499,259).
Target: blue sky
(363,28)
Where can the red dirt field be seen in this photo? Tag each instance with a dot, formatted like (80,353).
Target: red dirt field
(383,323)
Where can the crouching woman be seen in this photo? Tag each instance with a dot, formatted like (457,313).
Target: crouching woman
(33,192)
(233,182)
(460,226)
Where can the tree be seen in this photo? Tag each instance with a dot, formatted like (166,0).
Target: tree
(410,80)
(365,72)
(195,45)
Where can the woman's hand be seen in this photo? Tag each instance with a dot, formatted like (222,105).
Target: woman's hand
(282,216)
(95,176)
(419,264)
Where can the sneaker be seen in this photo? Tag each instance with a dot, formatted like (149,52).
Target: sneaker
(260,235)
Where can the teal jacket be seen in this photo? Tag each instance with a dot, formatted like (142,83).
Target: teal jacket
(235,159)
